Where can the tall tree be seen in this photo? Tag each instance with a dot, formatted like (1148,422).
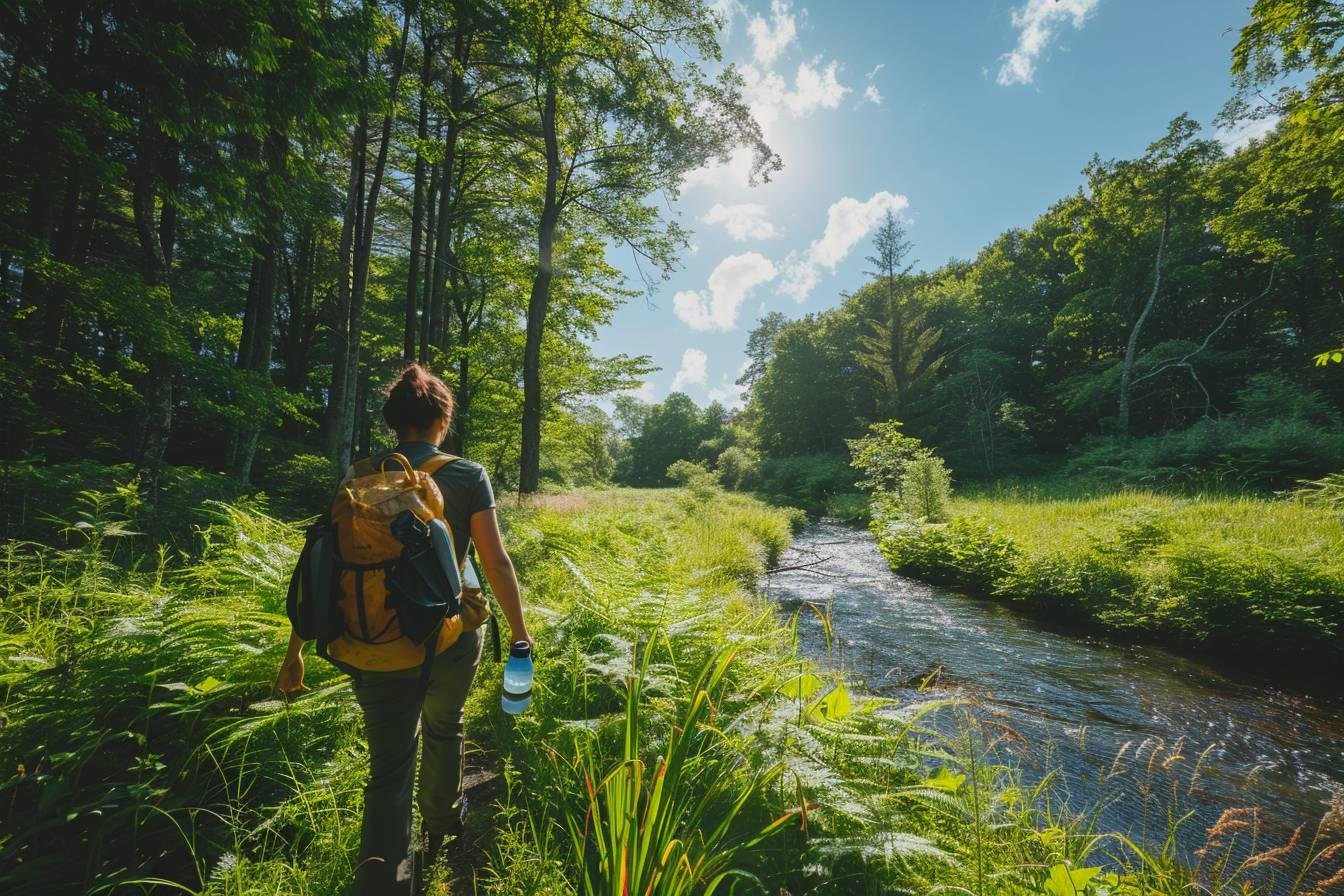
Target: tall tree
(356,252)
(1148,201)
(620,117)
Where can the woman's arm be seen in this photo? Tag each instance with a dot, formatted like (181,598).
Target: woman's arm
(498,569)
(290,679)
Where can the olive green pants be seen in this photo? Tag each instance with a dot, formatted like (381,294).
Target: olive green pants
(392,715)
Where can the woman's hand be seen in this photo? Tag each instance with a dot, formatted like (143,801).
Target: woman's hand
(290,679)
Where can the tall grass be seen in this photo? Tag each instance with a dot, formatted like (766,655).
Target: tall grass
(1210,573)
(677,742)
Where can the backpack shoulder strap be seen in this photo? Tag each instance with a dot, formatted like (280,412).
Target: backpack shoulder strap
(437,462)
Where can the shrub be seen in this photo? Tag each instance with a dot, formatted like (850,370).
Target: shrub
(739,468)
(1227,596)
(967,552)
(700,482)
(926,487)
(882,456)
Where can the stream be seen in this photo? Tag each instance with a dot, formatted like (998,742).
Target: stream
(1078,702)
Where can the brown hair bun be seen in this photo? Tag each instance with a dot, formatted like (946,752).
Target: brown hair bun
(417,400)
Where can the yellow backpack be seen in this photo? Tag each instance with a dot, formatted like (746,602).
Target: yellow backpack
(369,577)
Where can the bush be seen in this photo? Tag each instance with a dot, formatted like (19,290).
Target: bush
(702,484)
(1232,596)
(926,487)
(1219,575)
(966,552)
(882,456)
(1280,433)
(36,492)
(739,468)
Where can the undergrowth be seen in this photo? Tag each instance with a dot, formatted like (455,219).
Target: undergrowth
(677,743)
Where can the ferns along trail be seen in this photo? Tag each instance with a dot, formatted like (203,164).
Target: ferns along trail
(1047,298)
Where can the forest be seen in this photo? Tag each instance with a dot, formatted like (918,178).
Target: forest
(224,228)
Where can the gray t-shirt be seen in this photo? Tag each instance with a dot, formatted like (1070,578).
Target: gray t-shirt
(465,487)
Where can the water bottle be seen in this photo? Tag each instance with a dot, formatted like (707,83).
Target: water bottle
(517,693)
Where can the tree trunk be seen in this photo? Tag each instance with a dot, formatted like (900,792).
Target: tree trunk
(336,396)
(431,261)
(262,344)
(408,345)
(443,217)
(529,474)
(1132,346)
(155,242)
(363,252)
(444,261)
(65,239)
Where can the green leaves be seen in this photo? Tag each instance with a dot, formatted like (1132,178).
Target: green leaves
(1334,356)
(675,828)
(1066,881)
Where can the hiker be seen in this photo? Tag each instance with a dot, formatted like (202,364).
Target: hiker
(385,673)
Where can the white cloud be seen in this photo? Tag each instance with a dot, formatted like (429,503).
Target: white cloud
(799,277)
(871,93)
(693,370)
(1036,24)
(747,221)
(729,285)
(1240,133)
(729,394)
(769,94)
(734,173)
(646,392)
(769,39)
(816,85)
(815,88)
(847,222)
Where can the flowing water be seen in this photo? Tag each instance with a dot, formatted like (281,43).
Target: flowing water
(1077,702)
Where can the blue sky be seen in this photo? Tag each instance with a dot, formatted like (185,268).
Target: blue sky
(966,117)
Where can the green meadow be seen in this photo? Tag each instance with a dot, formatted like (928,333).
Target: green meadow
(1212,574)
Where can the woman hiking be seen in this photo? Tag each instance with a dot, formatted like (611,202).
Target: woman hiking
(386,674)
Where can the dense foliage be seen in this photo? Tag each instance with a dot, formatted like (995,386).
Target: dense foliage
(148,755)
(222,227)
